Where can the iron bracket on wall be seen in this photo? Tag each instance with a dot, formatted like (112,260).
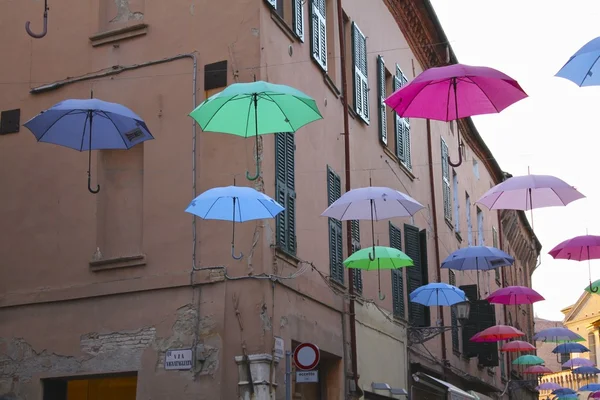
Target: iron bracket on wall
(420,335)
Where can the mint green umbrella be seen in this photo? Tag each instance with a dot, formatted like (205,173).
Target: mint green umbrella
(593,287)
(528,359)
(256,108)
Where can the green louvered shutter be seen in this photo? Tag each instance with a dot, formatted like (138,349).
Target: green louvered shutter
(361,81)
(381,94)
(446,181)
(285,193)
(336,249)
(399,308)
(355,228)
(471,326)
(414,274)
(424,271)
(488,352)
(318,32)
(298,19)
(453,318)
(398,126)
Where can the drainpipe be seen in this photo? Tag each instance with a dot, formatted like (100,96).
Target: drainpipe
(352,314)
(505,356)
(435,229)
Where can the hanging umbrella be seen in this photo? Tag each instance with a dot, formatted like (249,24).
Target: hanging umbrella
(236,204)
(588,370)
(567,397)
(578,362)
(528,360)
(594,395)
(579,248)
(438,294)
(455,91)
(590,387)
(496,333)
(583,68)
(564,392)
(256,108)
(568,348)
(548,386)
(594,287)
(515,295)
(537,369)
(89,124)
(387,258)
(518,346)
(557,335)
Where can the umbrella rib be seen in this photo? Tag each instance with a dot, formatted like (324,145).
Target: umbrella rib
(282,112)
(115,125)
(211,206)
(54,123)
(485,94)
(248,120)
(589,70)
(219,109)
(414,97)
(87,117)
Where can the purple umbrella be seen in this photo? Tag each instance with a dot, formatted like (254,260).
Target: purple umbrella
(579,248)
(548,386)
(456,91)
(578,362)
(557,335)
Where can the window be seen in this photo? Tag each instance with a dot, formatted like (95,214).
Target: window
(446,182)
(336,249)
(495,244)
(381,95)
(415,245)
(285,149)
(476,168)
(318,32)
(355,228)
(292,13)
(453,319)
(591,342)
(402,126)
(455,202)
(398,306)
(480,235)
(469,222)
(361,81)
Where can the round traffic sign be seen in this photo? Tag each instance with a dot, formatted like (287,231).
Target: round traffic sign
(306,356)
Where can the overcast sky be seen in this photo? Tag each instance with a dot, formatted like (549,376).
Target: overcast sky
(554,131)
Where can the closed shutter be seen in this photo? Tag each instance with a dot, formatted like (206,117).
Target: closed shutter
(318,42)
(414,274)
(355,228)
(446,181)
(285,194)
(495,244)
(488,352)
(272,3)
(398,305)
(402,125)
(336,250)
(453,319)
(424,271)
(298,19)
(381,94)
(470,326)
(361,82)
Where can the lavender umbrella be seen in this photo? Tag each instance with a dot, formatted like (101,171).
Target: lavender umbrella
(557,335)
(548,386)
(578,362)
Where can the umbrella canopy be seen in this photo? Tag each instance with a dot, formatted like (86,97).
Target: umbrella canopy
(236,204)
(579,248)
(387,258)
(528,192)
(564,392)
(585,370)
(496,333)
(89,124)
(256,108)
(567,397)
(518,346)
(557,335)
(594,395)
(438,294)
(537,369)
(548,386)
(481,258)
(590,387)
(583,68)
(515,295)
(578,362)
(570,347)
(528,360)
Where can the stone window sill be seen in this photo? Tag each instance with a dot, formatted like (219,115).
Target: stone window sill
(118,262)
(407,171)
(115,35)
(286,257)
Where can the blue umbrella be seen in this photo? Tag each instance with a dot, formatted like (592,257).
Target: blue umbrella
(586,370)
(590,387)
(563,392)
(583,67)
(568,348)
(236,204)
(567,396)
(71,123)
(438,294)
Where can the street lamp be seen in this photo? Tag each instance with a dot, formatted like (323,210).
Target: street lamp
(418,335)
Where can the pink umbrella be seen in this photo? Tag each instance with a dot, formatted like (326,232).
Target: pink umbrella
(456,91)
(515,295)
(579,248)
(518,346)
(537,369)
(594,395)
(578,362)
(496,333)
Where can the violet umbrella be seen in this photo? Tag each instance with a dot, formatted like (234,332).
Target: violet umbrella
(548,386)
(578,362)
(557,335)
(579,248)
(515,295)
(456,91)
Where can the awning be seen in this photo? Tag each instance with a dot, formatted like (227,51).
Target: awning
(479,396)
(456,393)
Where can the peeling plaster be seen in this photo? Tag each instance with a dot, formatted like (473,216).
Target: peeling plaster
(124,13)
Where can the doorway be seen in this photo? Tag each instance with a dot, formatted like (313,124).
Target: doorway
(113,387)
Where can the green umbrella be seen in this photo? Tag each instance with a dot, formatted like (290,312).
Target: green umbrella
(593,287)
(256,108)
(528,360)
(387,258)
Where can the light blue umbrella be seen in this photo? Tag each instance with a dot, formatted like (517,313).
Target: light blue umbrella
(586,370)
(563,392)
(583,67)
(570,396)
(236,204)
(87,125)
(438,294)
(570,347)
(590,387)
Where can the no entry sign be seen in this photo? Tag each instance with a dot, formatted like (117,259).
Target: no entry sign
(306,356)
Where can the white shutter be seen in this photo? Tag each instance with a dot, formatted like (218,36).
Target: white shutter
(382,95)
(319,33)
(406,140)
(273,3)
(298,19)
(361,83)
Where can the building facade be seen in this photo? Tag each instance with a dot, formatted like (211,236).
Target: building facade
(98,292)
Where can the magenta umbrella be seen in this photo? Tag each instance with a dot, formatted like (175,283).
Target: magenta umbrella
(456,91)
(594,395)
(515,295)
(579,248)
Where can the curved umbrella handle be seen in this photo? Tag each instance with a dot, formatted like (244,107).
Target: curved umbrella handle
(381,296)
(593,289)
(255,177)
(94,191)
(372,255)
(44,29)
(233,253)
